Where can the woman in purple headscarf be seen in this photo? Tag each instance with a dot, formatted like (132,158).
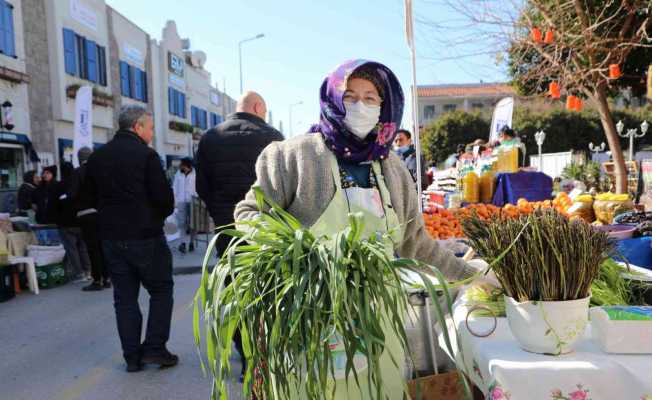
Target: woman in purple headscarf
(345,165)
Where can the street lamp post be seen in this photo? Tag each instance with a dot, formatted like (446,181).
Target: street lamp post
(540,137)
(290,116)
(631,134)
(596,149)
(260,35)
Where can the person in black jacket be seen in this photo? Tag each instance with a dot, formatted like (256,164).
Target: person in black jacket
(42,196)
(226,159)
(226,166)
(127,185)
(64,214)
(88,222)
(31,181)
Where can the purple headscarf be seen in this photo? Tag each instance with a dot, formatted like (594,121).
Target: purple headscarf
(344,144)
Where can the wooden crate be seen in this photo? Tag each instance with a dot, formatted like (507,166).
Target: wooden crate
(444,386)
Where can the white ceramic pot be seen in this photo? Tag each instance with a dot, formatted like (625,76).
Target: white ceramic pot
(547,327)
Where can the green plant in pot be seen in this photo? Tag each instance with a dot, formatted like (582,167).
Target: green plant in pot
(317,314)
(546,275)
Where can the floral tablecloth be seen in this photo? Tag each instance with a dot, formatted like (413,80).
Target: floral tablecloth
(503,371)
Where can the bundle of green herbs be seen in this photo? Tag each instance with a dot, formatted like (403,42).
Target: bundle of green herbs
(552,258)
(291,293)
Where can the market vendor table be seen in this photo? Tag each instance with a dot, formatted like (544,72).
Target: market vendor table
(532,186)
(503,371)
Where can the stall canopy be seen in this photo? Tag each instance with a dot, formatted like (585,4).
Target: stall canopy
(19,138)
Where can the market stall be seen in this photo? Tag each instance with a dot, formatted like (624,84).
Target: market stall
(558,318)
(502,370)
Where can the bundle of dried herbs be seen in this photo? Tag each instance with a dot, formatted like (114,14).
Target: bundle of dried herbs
(552,258)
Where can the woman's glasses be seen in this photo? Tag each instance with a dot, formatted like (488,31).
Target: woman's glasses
(367,99)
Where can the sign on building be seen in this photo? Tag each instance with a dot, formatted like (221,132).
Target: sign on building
(175,64)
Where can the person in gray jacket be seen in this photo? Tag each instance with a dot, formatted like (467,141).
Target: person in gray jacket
(347,160)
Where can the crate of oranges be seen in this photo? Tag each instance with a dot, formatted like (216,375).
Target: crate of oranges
(442,224)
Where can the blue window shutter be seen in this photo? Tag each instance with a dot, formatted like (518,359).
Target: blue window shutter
(3,27)
(80,52)
(204,119)
(91,61)
(101,64)
(143,80)
(8,23)
(70,57)
(177,103)
(124,79)
(171,100)
(182,100)
(193,116)
(137,85)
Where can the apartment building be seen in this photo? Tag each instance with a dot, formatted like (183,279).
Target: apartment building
(16,151)
(435,100)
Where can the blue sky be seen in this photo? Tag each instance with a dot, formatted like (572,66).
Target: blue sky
(304,40)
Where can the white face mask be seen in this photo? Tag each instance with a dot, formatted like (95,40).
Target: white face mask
(360,118)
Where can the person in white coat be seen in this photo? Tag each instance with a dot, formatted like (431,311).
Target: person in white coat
(184,188)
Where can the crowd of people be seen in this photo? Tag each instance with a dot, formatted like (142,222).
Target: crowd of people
(59,202)
(111,210)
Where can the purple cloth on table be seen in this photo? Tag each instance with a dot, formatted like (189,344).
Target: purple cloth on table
(532,186)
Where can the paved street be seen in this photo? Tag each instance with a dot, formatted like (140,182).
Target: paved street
(63,345)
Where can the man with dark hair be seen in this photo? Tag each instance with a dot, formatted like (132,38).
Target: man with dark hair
(129,189)
(406,150)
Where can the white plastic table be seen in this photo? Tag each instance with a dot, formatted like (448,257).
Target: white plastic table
(30,270)
(503,371)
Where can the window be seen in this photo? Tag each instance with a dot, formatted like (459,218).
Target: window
(11,168)
(429,112)
(216,119)
(7,41)
(450,107)
(198,117)
(133,82)
(84,58)
(176,103)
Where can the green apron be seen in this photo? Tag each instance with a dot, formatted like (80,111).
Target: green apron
(379,217)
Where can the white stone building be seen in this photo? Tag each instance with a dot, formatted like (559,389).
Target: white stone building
(79,54)
(69,43)
(15,130)
(189,102)
(435,100)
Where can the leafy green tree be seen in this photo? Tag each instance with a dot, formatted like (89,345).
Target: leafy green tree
(441,138)
(589,37)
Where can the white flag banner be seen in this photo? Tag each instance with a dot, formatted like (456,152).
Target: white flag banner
(83,121)
(502,116)
(409,28)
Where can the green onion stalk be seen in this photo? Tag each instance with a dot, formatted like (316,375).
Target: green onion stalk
(291,292)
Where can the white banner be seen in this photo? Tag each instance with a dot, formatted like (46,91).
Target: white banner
(502,116)
(83,121)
